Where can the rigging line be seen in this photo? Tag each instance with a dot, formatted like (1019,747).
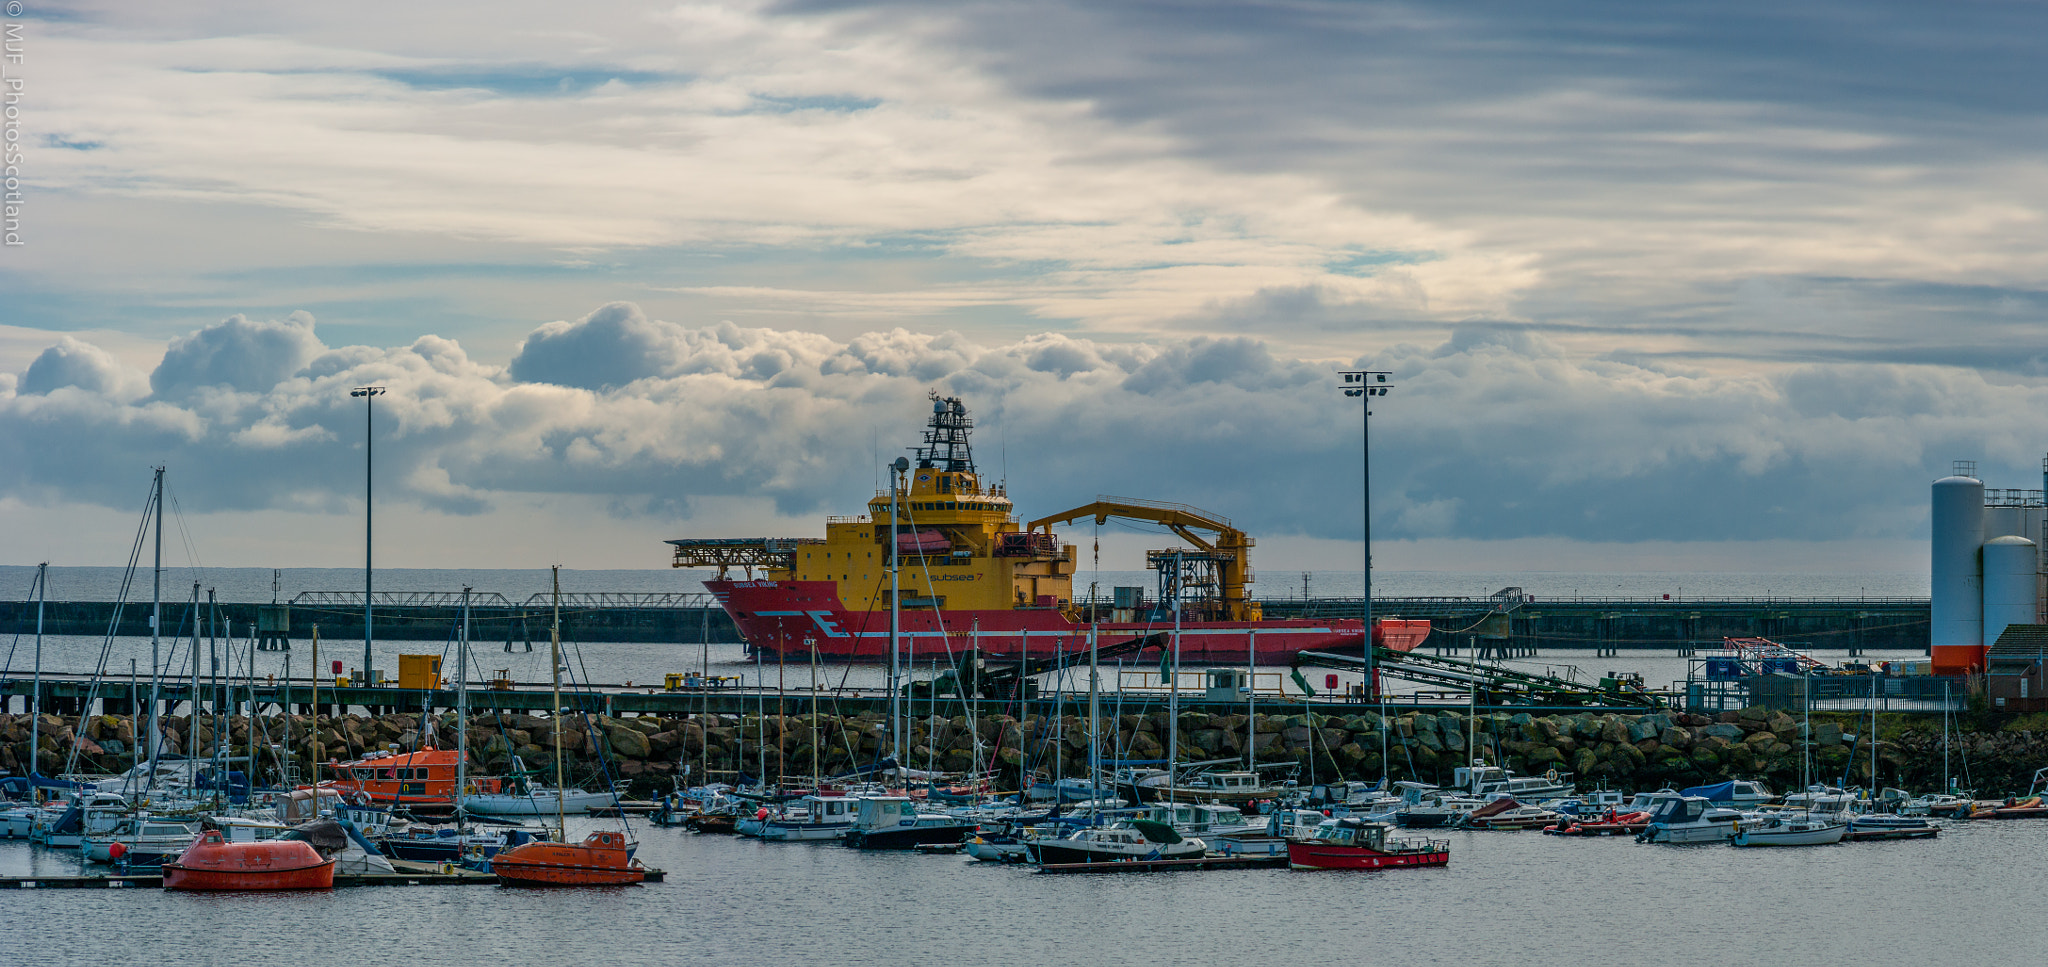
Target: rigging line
(184,535)
(114,620)
(33,583)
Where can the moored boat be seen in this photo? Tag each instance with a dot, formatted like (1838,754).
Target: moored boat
(1139,839)
(1692,819)
(893,822)
(213,863)
(1868,828)
(604,858)
(1792,830)
(1354,844)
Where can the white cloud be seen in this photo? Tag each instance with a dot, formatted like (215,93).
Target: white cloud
(1488,434)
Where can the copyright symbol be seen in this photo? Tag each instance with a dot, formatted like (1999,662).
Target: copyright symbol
(14,8)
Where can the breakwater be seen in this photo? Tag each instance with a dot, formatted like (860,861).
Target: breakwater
(1995,754)
(1848,624)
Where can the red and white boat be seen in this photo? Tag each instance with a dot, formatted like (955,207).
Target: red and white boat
(1354,844)
(973,577)
(604,858)
(213,863)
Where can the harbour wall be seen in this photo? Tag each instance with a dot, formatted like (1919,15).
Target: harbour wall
(1997,755)
(1851,624)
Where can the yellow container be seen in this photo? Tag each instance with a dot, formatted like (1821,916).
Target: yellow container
(419,671)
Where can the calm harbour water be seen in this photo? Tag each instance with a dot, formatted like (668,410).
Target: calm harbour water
(1967,897)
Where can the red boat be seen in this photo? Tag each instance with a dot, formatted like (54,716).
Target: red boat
(213,863)
(603,859)
(1360,845)
(971,575)
(1354,844)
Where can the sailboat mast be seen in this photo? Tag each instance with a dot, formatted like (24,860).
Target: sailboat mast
(316,719)
(1173,693)
(462,714)
(555,658)
(156,612)
(895,604)
(1251,703)
(35,733)
(1094,714)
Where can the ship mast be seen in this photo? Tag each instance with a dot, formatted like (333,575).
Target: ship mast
(895,605)
(462,714)
(555,658)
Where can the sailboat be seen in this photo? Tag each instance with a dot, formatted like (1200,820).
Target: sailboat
(605,857)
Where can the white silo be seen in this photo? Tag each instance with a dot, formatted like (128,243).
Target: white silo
(1956,625)
(2009,584)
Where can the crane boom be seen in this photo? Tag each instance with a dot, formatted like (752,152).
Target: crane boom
(1231,546)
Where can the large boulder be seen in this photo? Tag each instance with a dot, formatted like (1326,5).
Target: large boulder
(1731,733)
(628,742)
(1827,734)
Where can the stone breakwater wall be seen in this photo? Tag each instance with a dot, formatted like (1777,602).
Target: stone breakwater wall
(1617,751)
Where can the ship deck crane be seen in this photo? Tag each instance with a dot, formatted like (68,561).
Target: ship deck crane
(1226,546)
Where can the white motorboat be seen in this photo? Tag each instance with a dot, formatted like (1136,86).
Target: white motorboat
(1140,839)
(809,819)
(1792,830)
(1438,811)
(137,834)
(1692,819)
(1482,781)
(1876,827)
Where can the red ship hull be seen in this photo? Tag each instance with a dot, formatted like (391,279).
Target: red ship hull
(789,617)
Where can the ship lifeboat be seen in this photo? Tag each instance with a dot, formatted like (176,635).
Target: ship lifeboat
(924,542)
(213,863)
(602,859)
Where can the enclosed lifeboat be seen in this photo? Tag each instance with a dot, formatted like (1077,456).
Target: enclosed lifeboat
(213,863)
(603,858)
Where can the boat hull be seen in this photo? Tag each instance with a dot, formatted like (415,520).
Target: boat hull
(787,617)
(1826,836)
(1310,855)
(603,859)
(318,877)
(909,837)
(1058,854)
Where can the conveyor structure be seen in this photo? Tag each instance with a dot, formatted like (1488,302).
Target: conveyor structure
(1491,684)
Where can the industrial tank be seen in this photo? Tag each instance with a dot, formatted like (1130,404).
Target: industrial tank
(1956,626)
(2010,585)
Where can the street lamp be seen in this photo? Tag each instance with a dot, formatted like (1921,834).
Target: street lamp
(1366,384)
(368,393)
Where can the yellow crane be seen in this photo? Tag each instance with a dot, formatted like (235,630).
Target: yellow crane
(1227,546)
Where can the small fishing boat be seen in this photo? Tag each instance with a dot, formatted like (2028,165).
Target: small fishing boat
(1792,830)
(811,818)
(1354,844)
(603,858)
(893,822)
(213,863)
(1868,828)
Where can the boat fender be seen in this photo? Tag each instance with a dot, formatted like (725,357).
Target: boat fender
(117,850)
(761,813)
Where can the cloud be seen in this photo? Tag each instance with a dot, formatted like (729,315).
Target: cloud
(71,363)
(1490,433)
(236,355)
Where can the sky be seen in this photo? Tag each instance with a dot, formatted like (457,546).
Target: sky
(1680,287)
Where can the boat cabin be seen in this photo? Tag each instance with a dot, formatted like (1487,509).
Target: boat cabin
(882,812)
(823,810)
(1240,783)
(1352,832)
(1681,810)
(1197,818)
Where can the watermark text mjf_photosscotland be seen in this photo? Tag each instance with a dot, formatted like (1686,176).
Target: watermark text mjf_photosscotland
(13,54)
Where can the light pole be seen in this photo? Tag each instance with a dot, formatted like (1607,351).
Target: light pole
(368,394)
(1367,384)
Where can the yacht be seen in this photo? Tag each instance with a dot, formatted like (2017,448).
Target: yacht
(1739,793)
(1692,819)
(1204,819)
(1482,781)
(1140,839)
(138,835)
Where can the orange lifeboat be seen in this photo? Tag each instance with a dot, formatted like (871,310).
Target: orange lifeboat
(213,863)
(602,859)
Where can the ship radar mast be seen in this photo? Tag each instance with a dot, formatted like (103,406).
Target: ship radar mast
(945,438)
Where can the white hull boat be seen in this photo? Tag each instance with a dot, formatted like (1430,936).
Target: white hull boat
(539,802)
(1792,831)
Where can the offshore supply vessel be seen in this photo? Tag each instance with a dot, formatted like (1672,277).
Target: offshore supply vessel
(972,578)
